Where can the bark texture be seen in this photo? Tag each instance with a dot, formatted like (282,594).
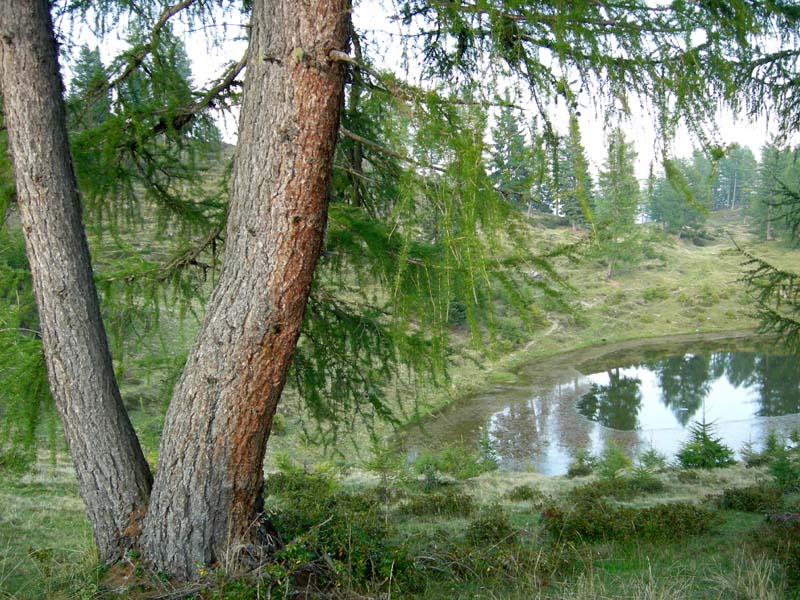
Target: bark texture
(205,501)
(113,475)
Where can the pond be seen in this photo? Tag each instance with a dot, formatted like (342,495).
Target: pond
(637,395)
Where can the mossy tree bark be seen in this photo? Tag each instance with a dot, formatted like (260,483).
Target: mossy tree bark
(112,472)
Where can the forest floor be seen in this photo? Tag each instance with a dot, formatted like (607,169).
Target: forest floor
(386,530)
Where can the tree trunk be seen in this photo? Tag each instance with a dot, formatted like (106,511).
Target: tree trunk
(113,475)
(204,506)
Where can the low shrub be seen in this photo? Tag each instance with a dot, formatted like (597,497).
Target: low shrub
(491,527)
(445,558)
(599,521)
(447,503)
(688,477)
(525,493)
(331,534)
(639,482)
(753,498)
(780,537)
(655,293)
(454,460)
(297,482)
(599,489)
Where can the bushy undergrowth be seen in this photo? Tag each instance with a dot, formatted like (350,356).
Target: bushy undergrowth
(447,503)
(619,488)
(332,536)
(492,526)
(753,498)
(600,521)
(445,563)
(780,538)
(525,493)
(456,461)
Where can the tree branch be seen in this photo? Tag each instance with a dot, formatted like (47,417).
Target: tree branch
(387,151)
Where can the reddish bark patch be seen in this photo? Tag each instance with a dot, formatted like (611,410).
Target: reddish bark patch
(317,90)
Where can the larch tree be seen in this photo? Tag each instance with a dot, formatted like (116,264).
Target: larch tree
(410,194)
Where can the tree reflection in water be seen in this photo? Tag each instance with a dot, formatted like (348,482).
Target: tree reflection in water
(770,383)
(615,405)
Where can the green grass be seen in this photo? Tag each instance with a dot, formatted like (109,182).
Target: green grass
(46,545)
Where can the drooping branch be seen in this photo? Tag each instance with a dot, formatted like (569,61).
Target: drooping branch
(387,151)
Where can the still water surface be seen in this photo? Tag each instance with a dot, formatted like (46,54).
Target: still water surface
(637,403)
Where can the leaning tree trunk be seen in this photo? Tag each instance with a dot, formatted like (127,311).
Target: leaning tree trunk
(204,506)
(113,475)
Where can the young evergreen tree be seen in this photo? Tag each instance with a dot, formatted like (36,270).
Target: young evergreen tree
(574,189)
(618,203)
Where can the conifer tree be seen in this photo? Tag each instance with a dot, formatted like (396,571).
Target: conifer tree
(737,173)
(511,157)
(618,202)
(768,83)
(774,289)
(88,81)
(576,197)
(675,198)
(774,175)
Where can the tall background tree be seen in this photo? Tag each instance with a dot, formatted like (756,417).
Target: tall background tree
(618,203)
(574,186)
(512,165)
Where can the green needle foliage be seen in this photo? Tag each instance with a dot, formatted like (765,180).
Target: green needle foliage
(23,377)
(704,450)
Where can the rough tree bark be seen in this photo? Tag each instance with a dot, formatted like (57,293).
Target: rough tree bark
(204,506)
(112,472)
